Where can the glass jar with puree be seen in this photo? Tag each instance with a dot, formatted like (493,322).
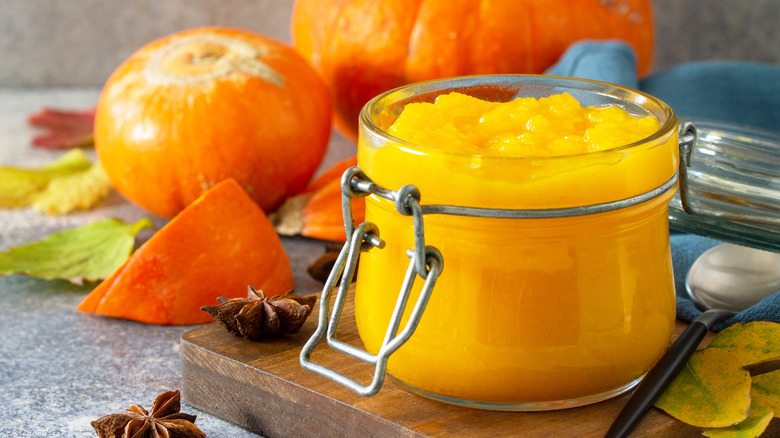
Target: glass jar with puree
(546,199)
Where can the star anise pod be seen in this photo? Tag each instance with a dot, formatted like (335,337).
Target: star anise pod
(257,315)
(165,421)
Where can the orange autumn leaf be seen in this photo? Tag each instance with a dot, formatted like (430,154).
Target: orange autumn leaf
(216,246)
(316,212)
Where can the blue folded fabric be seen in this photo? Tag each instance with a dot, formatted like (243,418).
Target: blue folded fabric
(732,91)
(607,61)
(741,92)
(735,91)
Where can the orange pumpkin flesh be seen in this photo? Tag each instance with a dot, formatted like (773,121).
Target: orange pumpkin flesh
(322,214)
(331,174)
(316,212)
(365,47)
(217,246)
(189,110)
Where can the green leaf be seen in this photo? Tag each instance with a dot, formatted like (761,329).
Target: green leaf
(752,342)
(713,390)
(766,390)
(91,252)
(67,184)
(754,425)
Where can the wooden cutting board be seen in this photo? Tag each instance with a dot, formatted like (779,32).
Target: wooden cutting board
(262,387)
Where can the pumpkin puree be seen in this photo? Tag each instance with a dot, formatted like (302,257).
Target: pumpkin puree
(527,313)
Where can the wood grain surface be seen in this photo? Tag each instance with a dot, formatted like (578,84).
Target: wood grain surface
(262,387)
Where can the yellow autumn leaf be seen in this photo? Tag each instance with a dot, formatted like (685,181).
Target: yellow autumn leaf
(754,425)
(752,342)
(19,185)
(713,390)
(766,390)
(78,191)
(64,185)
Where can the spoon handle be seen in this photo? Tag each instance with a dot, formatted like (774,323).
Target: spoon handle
(664,371)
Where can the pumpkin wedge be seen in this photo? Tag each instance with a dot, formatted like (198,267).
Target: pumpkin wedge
(316,212)
(216,246)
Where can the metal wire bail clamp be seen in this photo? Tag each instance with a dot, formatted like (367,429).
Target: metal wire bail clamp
(425,262)
(687,139)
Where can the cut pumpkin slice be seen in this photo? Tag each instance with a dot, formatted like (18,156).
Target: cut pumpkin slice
(217,246)
(316,212)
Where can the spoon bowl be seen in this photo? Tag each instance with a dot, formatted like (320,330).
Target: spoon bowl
(733,277)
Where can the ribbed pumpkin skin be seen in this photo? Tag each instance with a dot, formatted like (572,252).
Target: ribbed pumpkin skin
(365,47)
(168,127)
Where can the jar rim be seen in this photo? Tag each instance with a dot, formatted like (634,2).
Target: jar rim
(666,117)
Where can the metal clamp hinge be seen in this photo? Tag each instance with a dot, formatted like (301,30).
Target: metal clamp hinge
(686,141)
(425,262)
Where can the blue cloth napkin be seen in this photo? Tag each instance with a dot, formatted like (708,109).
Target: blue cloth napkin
(733,91)
(736,91)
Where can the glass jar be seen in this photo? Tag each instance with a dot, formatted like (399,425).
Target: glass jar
(536,312)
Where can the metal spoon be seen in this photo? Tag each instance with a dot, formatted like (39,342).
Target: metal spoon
(725,279)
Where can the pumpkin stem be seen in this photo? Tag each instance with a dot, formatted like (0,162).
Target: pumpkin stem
(203,58)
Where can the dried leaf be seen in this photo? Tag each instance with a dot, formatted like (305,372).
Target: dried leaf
(288,218)
(320,269)
(766,390)
(67,184)
(713,390)
(752,342)
(754,425)
(91,252)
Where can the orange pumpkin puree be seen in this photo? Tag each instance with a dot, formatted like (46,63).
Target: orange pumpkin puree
(526,310)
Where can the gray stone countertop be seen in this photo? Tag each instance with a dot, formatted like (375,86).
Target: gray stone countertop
(60,368)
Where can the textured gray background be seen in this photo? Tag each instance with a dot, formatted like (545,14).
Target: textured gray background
(51,43)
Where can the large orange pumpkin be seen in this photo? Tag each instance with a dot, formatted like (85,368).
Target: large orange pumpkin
(194,108)
(365,47)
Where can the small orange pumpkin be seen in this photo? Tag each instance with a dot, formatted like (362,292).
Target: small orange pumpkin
(189,110)
(365,47)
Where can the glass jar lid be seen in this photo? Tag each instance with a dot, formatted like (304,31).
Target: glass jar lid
(731,186)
